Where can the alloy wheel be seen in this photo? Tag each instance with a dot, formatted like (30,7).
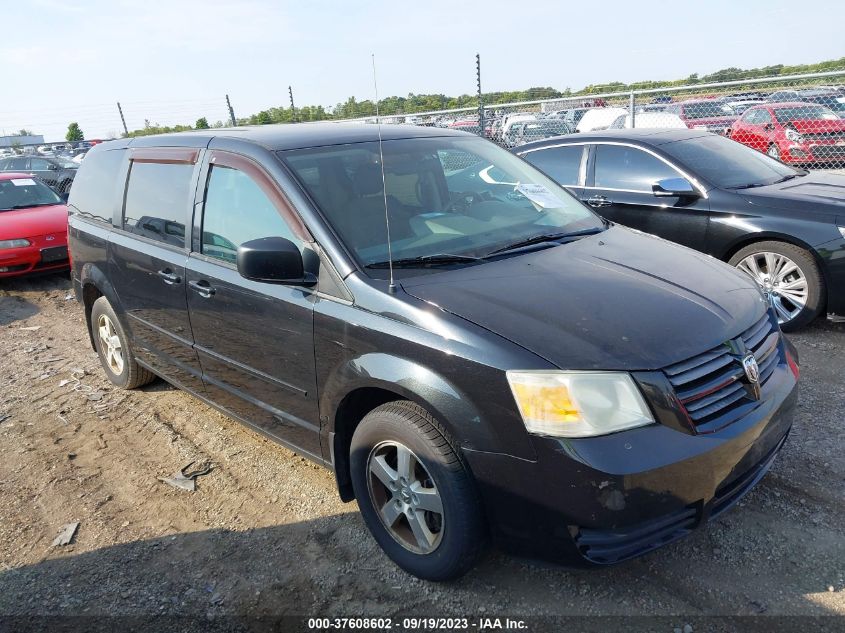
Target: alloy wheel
(110,345)
(405,497)
(782,280)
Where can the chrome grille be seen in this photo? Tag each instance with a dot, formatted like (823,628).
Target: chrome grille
(713,388)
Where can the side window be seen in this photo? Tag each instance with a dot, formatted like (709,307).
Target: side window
(39,164)
(750,116)
(621,167)
(763,117)
(94,193)
(18,163)
(157,199)
(236,211)
(563,164)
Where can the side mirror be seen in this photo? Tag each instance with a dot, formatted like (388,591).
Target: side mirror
(674,188)
(274,260)
(769,127)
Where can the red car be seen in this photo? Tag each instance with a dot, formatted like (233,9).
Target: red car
(793,132)
(33,226)
(713,115)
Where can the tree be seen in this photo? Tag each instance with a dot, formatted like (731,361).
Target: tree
(74,133)
(24,132)
(202,124)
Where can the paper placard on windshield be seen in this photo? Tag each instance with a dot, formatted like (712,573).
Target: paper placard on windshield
(540,196)
(23,182)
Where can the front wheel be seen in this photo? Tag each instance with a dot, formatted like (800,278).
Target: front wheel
(415,493)
(789,276)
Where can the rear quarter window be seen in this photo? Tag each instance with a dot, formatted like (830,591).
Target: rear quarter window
(95,193)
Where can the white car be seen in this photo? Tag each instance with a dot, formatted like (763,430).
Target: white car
(648,120)
(599,119)
(508,121)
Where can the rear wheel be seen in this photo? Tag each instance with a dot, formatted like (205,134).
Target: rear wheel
(114,349)
(789,276)
(415,493)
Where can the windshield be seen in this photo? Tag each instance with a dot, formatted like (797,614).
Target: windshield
(727,163)
(20,193)
(805,113)
(445,195)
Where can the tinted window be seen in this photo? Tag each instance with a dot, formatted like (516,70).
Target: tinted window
(39,164)
(805,113)
(17,163)
(456,195)
(726,163)
(236,211)
(157,201)
(561,163)
(96,190)
(621,167)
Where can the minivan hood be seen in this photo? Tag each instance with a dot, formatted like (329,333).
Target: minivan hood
(823,193)
(619,300)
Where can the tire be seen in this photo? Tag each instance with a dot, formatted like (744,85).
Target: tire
(127,374)
(791,264)
(773,152)
(453,539)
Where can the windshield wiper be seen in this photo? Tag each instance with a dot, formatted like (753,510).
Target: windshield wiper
(788,177)
(426,260)
(750,185)
(29,206)
(543,238)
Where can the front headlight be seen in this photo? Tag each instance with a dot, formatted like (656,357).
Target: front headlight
(793,135)
(578,403)
(14,243)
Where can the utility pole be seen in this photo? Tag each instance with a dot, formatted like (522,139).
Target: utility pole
(119,109)
(231,112)
(480,100)
(292,108)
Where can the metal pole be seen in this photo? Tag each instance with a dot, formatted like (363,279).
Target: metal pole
(631,110)
(119,109)
(231,112)
(292,108)
(480,100)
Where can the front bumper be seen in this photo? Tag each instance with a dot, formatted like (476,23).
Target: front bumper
(602,500)
(42,255)
(812,153)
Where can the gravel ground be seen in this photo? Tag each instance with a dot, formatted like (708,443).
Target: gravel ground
(264,534)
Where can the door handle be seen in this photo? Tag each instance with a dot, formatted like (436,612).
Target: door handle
(202,288)
(598,201)
(169,277)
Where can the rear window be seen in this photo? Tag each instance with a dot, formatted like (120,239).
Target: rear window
(157,199)
(95,191)
(704,110)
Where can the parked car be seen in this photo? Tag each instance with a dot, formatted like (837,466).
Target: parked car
(33,227)
(599,118)
(58,173)
(536,130)
(781,225)
(467,125)
(647,120)
(797,133)
(506,337)
(782,96)
(713,115)
(834,101)
(508,122)
(741,105)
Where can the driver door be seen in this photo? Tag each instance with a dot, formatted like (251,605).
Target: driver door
(619,180)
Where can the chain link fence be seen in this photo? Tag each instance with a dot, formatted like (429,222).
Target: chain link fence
(797,119)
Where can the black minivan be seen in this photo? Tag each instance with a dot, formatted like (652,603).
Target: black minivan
(473,352)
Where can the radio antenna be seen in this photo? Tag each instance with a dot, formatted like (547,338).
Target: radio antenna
(391,286)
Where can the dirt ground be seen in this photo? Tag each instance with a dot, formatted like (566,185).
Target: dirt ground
(265,533)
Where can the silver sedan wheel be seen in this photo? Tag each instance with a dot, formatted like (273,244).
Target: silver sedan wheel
(405,497)
(781,279)
(110,346)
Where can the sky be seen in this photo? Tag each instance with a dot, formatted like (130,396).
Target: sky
(173,61)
